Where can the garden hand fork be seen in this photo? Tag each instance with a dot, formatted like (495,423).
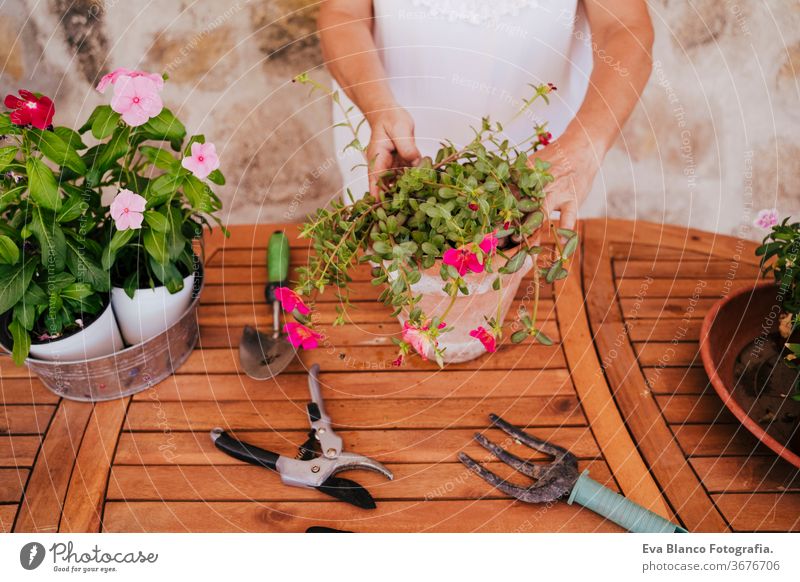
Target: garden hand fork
(560,478)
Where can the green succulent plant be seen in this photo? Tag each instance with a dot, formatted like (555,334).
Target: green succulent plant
(780,256)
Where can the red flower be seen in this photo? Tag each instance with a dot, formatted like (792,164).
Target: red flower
(473,206)
(301,336)
(487,339)
(398,361)
(30,110)
(463,260)
(544,138)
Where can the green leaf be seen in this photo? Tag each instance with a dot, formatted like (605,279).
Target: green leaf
(569,248)
(566,233)
(11,196)
(217,178)
(104,122)
(9,252)
(198,194)
(131,283)
(6,127)
(85,269)
(7,155)
(14,280)
(542,338)
(156,220)
(77,291)
(73,208)
(22,342)
(164,126)
(519,336)
(25,314)
(50,237)
(168,274)
(176,241)
(121,238)
(42,184)
(160,158)
(514,264)
(162,188)
(71,137)
(57,150)
(155,243)
(381,248)
(113,150)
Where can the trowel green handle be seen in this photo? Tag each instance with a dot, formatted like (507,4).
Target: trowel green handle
(277,263)
(613,506)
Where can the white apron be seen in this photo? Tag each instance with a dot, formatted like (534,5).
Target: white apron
(452,62)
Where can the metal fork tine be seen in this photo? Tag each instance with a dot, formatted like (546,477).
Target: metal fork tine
(526,439)
(528,495)
(514,461)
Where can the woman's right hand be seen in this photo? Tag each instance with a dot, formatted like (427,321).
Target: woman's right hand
(391,144)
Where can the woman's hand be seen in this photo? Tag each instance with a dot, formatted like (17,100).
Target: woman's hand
(391,144)
(573,164)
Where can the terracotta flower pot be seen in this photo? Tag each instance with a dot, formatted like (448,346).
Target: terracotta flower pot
(468,311)
(729,327)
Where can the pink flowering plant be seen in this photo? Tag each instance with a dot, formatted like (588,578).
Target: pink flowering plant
(471,209)
(61,248)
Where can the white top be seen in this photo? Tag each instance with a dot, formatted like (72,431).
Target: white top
(452,62)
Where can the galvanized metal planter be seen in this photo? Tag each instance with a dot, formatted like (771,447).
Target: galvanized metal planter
(129,371)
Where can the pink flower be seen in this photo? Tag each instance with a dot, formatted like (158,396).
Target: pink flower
(115,75)
(488,340)
(300,336)
(127,209)
(203,160)
(489,243)
(291,300)
(421,338)
(473,206)
(463,260)
(766,218)
(137,99)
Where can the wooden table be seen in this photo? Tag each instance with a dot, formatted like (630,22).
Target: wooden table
(624,389)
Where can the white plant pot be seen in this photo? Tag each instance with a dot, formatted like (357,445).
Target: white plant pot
(151,311)
(99,338)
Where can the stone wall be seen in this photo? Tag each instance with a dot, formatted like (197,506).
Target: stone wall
(714,137)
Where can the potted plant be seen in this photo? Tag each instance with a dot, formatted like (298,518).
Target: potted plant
(62,250)
(53,292)
(161,204)
(750,344)
(450,240)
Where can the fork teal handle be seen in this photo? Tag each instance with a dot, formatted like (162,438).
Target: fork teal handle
(613,506)
(277,263)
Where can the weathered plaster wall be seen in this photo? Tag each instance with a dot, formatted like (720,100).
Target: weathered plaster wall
(716,133)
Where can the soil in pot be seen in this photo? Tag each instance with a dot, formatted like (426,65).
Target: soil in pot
(99,336)
(763,385)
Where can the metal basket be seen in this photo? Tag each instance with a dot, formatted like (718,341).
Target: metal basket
(129,371)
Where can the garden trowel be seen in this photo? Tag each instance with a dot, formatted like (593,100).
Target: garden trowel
(266,355)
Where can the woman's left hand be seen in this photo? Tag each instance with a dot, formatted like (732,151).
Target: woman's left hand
(574,164)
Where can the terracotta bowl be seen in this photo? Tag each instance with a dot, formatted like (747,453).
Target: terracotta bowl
(733,323)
